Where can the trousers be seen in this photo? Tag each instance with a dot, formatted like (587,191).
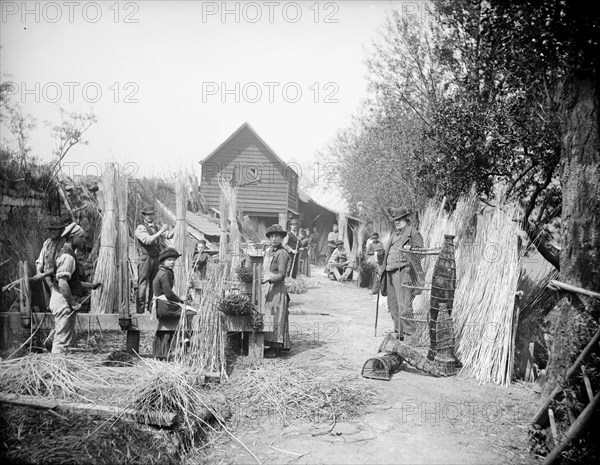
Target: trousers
(399,299)
(64,323)
(147,270)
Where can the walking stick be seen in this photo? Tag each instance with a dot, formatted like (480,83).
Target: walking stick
(377,313)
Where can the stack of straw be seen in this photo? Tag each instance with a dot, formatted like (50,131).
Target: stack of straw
(165,388)
(291,393)
(104,299)
(182,269)
(46,375)
(206,352)
(123,243)
(484,305)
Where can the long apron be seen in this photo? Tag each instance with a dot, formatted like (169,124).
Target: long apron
(275,311)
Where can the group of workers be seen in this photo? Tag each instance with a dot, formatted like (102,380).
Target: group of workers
(62,276)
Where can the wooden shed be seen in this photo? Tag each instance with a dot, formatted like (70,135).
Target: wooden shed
(267,186)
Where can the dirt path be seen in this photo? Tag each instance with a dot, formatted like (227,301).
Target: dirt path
(421,419)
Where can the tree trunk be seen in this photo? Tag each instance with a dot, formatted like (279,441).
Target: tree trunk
(580,254)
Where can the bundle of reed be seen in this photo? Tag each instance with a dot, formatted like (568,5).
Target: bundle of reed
(182,268)
(224,217)
(294,393)
(206,351)
(433,226)
(47,375)
(167,387)
(253,229)
(105,298)
(484,310)
(123,243)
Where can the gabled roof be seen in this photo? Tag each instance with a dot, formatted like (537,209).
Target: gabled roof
(246,125)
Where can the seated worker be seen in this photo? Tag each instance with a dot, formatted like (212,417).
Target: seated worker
(340,267)
(166,304)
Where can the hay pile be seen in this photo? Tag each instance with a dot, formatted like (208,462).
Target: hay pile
(296,286)
(169,387)
(48,375)
(290,392)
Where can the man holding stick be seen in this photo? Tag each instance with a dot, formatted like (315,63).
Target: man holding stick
(291,244)
(46,262)
(149,240)
(396,268)
(67,289)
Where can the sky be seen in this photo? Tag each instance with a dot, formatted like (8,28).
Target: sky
(170,81)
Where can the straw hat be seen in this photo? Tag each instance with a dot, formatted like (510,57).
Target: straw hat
(398,213)
(169,252)
(276,229)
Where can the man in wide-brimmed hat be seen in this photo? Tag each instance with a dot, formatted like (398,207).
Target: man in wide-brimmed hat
(46,262)
(274,293)
(290,243)
(67,289)
(149,241)
(396,268)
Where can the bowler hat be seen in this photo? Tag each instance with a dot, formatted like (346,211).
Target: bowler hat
(148,209)
(398,213)
(169,252)
(275,229)
(56,223)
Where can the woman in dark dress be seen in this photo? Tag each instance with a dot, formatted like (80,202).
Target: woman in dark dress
(275,297)
(166,302)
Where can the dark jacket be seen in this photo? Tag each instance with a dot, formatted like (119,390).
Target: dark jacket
(279,263)
(163,284)
(75,280)
(408,236)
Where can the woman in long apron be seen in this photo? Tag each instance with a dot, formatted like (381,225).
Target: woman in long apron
(275,296)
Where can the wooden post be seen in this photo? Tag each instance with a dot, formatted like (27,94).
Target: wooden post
(283,220)
(256,345)
(25,295)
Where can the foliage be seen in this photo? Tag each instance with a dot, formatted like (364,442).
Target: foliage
(236,305)
(244,274)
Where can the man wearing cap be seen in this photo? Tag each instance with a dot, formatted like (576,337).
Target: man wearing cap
(46,262)
(67,289)
(396,267)
(339,263)
(148,237)
(290,243)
